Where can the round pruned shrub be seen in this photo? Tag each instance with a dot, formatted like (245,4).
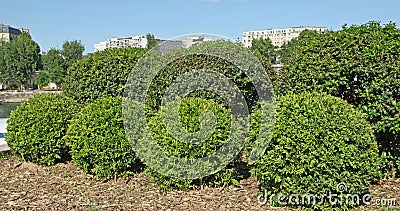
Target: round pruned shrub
(98,143)
(319,142)
(101,74)
(359,64)
(36,127)
(198,58)
(190,111)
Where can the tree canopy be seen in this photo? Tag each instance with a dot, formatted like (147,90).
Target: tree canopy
(151,41)
(57,61)
(19,59)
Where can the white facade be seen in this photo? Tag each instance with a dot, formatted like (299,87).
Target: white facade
(100,46)
(138,41)
(196,40)
(278,36)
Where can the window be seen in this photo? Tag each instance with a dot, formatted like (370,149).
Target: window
(3,37)
(3,29)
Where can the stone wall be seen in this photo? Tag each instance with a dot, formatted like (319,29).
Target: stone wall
(16,97)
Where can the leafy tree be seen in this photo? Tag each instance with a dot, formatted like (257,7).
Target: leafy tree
(56,61)
(42,79)
(4,73)
(19,59)
(72,51)
(151,41)
(52,59)
(264,48)
(288,48)
(56,75)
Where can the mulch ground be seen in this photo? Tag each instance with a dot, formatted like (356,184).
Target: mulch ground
(28,186)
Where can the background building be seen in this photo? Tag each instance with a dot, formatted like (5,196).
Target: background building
(196,40)
(278,36)
(138,41)
(8,33)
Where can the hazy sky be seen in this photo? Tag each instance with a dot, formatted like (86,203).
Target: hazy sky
(51,22)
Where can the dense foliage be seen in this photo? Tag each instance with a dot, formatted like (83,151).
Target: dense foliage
(267,54)
(360,64)
(190,112)
(36,127)
(191,61)
(151,41)
(100,74)
(19,59)
(57,61)
(319,141)
(97,139)
(42,79)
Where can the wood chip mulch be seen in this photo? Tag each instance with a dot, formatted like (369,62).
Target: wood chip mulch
(27,186)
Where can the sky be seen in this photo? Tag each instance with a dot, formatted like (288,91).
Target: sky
(51,22)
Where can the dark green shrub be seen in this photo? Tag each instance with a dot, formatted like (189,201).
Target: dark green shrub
(319,141)
(36,127)
(232,63)
(189,113)
(101,74)
(195,59)
(360,64)
(97,139)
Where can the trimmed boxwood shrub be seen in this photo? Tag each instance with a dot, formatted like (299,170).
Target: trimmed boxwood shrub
(101,74)
(319,141)
(189,113)
(360,64)
(36,127)
(98,143)
(194,61)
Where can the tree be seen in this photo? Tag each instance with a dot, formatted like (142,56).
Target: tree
(19,59)
(72,51)
(52,59)
(55,66)
(151,41)
(289,48)
(42,79)
(57,75)
(264,48)
(56,62)
(4,73)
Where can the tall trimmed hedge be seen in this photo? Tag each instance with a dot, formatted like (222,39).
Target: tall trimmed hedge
(197,58)
(319,142)
(360,64)
(36,128)
(101,74)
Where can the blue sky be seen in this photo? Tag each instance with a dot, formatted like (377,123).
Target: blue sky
(51,22)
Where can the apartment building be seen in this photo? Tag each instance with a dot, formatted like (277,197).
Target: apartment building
(138,41)
(278,36)
(195,40)
(8,33)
